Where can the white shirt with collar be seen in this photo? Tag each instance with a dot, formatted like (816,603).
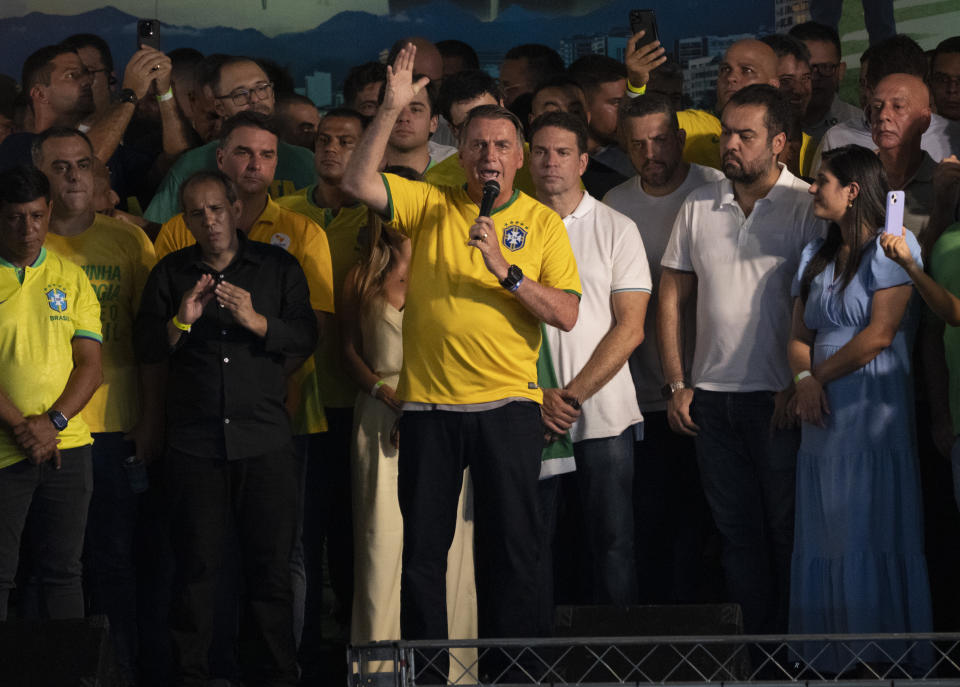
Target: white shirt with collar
(610,259)
(940,140)
(744,267)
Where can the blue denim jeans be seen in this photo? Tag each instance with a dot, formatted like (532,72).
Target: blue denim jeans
(57,502)
(605,482)
(749,475)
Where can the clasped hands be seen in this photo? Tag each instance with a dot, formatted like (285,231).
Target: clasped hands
(229,296)
(37,437)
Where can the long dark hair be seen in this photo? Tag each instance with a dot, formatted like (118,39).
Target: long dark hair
(850,164)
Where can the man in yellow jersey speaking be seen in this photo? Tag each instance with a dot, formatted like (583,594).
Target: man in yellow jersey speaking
(479,288)
(49,369)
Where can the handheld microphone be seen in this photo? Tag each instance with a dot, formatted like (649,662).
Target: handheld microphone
(491,190)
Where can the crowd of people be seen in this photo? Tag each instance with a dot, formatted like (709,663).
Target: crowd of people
(465,348)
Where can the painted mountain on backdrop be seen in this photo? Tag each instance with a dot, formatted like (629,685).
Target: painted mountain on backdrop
(349,38)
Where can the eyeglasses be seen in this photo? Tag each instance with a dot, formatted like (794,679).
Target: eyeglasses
(825,69)
(242,96)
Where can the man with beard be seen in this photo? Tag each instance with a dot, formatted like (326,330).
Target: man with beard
(736,245)
(60,90)
(239,84)
(671,510)
(746,62)
(604,83)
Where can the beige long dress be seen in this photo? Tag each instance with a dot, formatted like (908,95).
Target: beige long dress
(377,523)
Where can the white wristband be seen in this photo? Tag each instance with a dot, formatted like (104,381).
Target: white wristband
(376,388)
(800,376)
(166,96)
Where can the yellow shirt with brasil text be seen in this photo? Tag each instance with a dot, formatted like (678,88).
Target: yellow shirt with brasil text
(117,258)
(43,307)
(307,242)
(466,339)
(337,389)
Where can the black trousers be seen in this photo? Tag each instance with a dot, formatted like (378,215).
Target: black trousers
(502,448)
(258,496)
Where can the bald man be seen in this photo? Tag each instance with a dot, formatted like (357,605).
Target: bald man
(899,114)
(745,62)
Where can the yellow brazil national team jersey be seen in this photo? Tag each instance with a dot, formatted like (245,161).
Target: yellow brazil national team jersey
(466,339)
(448,172)
(337,389)
(117,258)
(305,241)
(42,308)
(703,140)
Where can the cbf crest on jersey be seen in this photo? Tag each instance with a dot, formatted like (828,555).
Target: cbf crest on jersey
(56,299)
(515,236)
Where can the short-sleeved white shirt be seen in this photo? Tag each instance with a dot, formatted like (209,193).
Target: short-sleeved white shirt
(654,216)
(610,259)
(744,268)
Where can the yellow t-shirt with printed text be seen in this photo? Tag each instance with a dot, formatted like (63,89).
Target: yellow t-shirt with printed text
(466,339)
(43,307)
(117,258)
(305,240)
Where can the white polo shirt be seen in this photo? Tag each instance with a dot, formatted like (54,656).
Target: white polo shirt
(654,216)
(744,268)
(610,259)
(940,140)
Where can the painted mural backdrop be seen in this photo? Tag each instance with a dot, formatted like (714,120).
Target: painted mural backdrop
(328,36)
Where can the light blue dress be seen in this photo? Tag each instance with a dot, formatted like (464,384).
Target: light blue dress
(858,559)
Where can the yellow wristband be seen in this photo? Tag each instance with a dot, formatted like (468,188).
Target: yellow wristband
(166,96)
(633,89)
(180,325)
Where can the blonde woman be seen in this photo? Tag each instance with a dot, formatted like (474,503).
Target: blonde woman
(372,315)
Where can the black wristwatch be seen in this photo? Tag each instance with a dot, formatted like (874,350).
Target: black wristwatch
(58,419)
(126,95)
(512,281)
(670,389)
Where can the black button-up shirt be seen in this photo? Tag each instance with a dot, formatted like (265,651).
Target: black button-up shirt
(226,386)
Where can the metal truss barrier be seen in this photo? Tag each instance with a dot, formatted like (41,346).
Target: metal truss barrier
(890,659)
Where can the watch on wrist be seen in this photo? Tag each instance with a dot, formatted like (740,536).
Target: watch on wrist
(58,419)
(513,278)
(126,95)
(670,389)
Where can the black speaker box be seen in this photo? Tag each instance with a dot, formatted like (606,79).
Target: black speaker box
(649,662)
(58,653)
